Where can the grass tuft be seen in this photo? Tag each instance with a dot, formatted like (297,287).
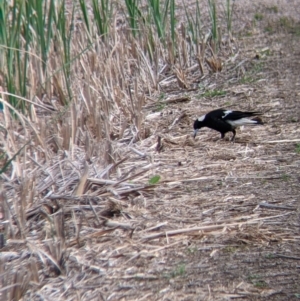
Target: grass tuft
(213,93)
(258,17)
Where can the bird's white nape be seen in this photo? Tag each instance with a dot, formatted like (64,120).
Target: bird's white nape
(201,118)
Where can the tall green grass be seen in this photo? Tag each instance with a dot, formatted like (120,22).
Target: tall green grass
(65,29)
(41,17)
(229,8)
(159,14)
(214,23)
(101,17)
(134,15)
(27,30)
(194,23)
(13,51)
(33,31)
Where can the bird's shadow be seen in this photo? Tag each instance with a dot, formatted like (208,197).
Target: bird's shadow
(227,140)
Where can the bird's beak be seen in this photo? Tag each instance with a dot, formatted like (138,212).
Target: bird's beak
(195,133)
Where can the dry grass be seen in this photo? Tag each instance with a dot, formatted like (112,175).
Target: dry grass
(82,220)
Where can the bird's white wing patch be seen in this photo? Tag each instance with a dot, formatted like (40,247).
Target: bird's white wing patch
(226,113)
(240,122)
(201,118)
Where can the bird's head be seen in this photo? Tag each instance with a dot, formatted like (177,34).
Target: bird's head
(198,124)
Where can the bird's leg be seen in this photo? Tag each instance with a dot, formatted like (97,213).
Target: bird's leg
(233,137)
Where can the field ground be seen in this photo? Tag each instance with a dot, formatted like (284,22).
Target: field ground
(223,221)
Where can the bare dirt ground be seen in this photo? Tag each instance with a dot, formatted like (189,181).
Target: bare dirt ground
(223,221)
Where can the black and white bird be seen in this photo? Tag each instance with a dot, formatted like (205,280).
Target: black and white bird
(225,121)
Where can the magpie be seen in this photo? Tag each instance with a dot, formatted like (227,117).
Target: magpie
(225,121)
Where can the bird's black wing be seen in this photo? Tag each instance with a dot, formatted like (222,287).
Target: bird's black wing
(218,124)
(216,114)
